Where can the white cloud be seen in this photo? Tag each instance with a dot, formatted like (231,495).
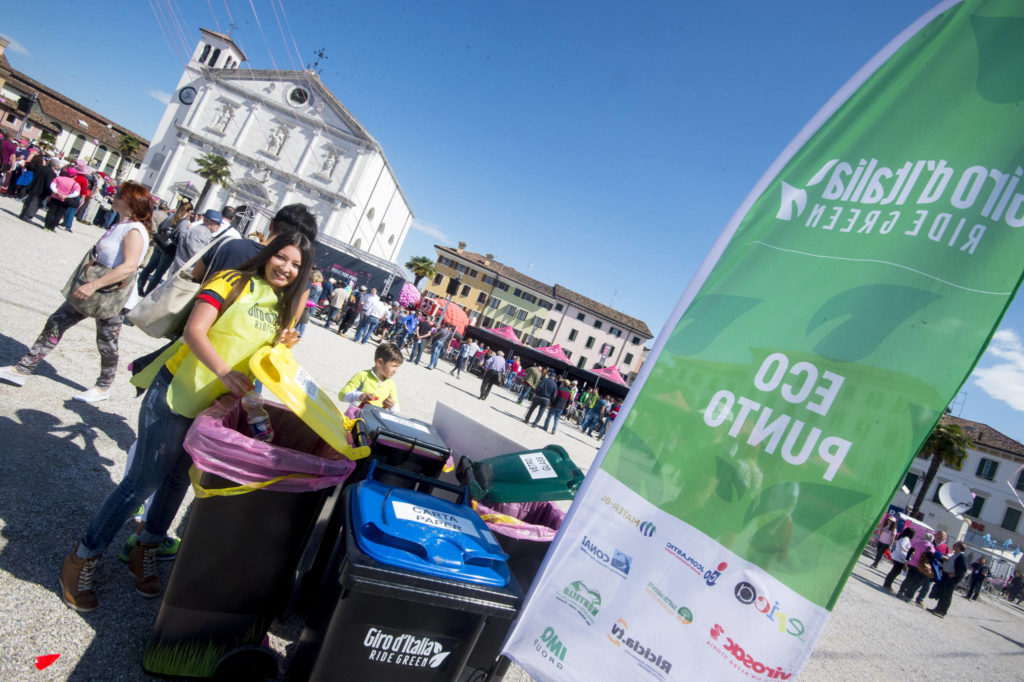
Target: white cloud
(1004,381)
(160,96)
(14,46)
(432,230)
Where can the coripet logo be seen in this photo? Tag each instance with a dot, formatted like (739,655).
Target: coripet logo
(401,648)
(921,198)
(710,576)
(550,647)
(680,613)
(617,562)
(581,599)
(734,654)
(746,593)
(646,528)
(648,659)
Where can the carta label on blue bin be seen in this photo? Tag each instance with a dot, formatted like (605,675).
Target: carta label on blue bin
(433,518)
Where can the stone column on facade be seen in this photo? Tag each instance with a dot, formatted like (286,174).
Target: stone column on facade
(166,177)
(244,130)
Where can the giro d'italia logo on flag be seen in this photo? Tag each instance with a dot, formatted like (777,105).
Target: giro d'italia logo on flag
(838,314)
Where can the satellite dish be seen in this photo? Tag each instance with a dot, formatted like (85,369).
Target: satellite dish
(956,498)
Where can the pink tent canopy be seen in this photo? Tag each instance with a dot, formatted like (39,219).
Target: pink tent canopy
(610,373)
(555,352)
(506,332)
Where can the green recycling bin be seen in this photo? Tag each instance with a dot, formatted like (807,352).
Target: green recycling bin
(530,476)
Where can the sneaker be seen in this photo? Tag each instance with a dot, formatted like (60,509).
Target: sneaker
(76,576)
(142,564)
(13,375)
(167,550)
(93,395)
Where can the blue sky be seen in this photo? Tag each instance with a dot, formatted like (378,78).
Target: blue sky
(598,145)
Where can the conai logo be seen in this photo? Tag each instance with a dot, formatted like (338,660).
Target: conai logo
(404,649)
(646,528)
(709,576)
(746,593)
(729,647)
(648,658)
(581,599)
(618,562)
(550,647)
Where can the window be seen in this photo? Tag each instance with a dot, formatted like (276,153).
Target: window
(298,96)
(1011,519)
(538,321)
(636,340)
(568,353)
(501,285)
(597,324)
(461,268)
(617,333)
(590,342)
(610,348)
(465,290)
(546,305)
(987,469)
(1020,482)
(521,316)
(975,510)
(481,297)
(582,362)
(488,322)
(551,325)
(510,310)
(911,481)
(205,54)
(445,261)
(488,280)
(11,118)
(573,334)
(214,57)
(935,493)
(558,307)
(581,317)
(495,302)
(473,273)
(517,292)
(369,214)
(629,359)
(438,278)
(76,148)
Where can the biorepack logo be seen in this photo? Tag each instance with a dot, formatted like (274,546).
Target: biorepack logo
(646,528)
(551,648)
(734,654)
(916,199)
(710,576)
(581,599)
(746,593)
(648,659)
(680,613)
(403,649)
(614,560)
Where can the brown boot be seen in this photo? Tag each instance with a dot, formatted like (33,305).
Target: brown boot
(142,564)
(76,576)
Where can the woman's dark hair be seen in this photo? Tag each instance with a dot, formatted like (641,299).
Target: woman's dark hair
(140,203)
(907,533)
(289,297)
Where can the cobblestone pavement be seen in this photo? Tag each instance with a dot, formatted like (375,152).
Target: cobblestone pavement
(61,457)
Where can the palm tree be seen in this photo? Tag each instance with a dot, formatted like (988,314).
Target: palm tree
(947,444)
(420,266)
(216,170)
(128,145)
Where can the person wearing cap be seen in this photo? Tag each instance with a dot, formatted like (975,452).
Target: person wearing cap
(199,235)
(493,368)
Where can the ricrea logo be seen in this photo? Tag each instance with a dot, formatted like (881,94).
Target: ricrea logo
(398,648)
(646,528)
(550,647)
(618,562)
(729,648)
(710,576)
(746,593)
(581,599)
(647,658)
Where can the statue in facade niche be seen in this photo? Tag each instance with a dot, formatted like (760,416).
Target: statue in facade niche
(227,112)
(276,140)
(330,162)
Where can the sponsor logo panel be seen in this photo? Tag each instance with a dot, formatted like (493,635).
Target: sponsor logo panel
(615,560)
(681,613)
(734,654)
(655,663)
(709,575)
(404,649)
(761,605)
(646,528)
(550,647)
(582,599)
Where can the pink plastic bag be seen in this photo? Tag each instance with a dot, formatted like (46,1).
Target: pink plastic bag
(217,447)
(537,521)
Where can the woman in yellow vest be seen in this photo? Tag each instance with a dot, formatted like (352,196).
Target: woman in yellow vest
(236,313)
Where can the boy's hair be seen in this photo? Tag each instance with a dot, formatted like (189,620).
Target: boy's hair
(388,352)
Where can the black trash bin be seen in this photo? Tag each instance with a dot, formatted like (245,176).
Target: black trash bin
(234,569)
(418,580)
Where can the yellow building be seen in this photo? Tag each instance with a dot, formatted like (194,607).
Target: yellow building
(478,274)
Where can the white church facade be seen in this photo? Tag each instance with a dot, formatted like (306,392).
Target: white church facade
(287,139)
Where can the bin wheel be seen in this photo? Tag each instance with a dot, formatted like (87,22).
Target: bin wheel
(247,663)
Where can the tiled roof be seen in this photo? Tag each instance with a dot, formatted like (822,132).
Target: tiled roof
(983,434)
(555,291)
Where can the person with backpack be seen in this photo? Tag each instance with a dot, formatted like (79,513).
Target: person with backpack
(165,245)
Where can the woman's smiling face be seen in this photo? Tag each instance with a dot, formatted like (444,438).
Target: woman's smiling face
(283,267)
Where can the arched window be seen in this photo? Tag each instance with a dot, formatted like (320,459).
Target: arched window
(357,243)
(214,58)
(369,215)
(380,229)
(205,54)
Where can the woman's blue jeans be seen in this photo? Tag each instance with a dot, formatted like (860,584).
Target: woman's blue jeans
(160,464)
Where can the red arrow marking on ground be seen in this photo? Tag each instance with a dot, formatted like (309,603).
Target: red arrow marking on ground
(45,661)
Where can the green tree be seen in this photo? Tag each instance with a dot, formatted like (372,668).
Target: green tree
(947,444)
(215,170)
(128,145)
(420,267)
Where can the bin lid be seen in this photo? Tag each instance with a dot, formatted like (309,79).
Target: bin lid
(416,531)
(529,476)
(402,433)
(282,375)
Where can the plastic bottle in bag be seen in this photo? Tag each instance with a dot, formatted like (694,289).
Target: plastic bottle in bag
(258,417)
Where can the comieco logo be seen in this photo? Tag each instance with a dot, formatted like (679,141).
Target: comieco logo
(647,658)
(734,654)
(681,613)
(404,649)
(646,528)
(746,593)
(709,576)
(581,599)
(617,562)
(550,647)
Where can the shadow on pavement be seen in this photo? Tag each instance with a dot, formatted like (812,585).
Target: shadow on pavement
(11,350)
